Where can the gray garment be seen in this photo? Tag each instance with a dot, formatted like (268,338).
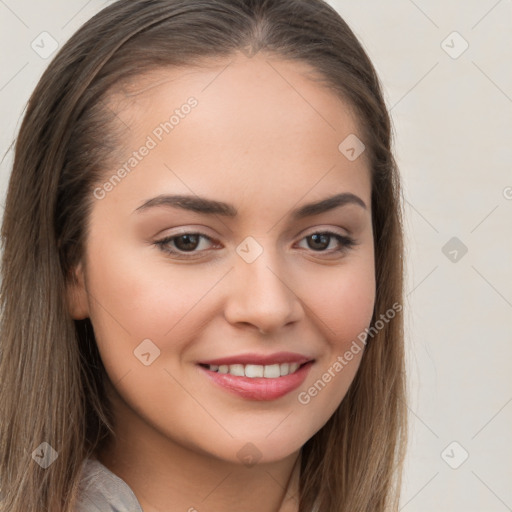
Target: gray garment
(103,491)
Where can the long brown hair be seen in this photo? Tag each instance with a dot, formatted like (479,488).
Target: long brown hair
(52,378)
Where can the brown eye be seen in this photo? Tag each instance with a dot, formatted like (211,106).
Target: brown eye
(179,245)
(187,242)
(320,241)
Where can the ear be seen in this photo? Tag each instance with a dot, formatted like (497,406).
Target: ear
(76,294)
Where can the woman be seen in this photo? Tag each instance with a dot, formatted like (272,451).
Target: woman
(202,268)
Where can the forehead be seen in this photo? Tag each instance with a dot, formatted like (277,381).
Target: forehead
(257,121)
(262,92)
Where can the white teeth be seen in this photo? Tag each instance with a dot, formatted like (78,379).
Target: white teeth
(254,370)
(293,367)
(269,371)
(237,369)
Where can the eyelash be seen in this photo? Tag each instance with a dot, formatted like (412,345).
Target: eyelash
(346,242)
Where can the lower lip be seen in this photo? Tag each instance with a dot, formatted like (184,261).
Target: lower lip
(259,388)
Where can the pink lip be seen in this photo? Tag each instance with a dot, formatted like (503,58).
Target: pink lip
(259,388)
(276,358)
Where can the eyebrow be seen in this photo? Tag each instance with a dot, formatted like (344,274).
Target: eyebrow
(211,207)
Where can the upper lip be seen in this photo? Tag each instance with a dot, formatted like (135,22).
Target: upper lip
(260,359)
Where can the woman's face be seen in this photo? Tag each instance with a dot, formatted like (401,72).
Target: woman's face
(237,275)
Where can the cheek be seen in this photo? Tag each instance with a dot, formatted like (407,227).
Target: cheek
(143,300)
(343,304)
(342,300)
(132,301)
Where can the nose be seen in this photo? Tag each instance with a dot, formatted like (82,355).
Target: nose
(262,295)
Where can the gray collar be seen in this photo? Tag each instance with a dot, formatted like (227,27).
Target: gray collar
(103,491)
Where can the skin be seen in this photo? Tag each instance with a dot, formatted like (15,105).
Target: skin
(264,137)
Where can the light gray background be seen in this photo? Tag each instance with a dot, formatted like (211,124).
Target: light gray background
(453,122)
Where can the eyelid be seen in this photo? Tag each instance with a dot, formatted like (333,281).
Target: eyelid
(190,230)
(323,229)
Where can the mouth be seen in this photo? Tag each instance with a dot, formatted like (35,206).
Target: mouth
(255,377)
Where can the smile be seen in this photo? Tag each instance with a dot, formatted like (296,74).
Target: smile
(257,377)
